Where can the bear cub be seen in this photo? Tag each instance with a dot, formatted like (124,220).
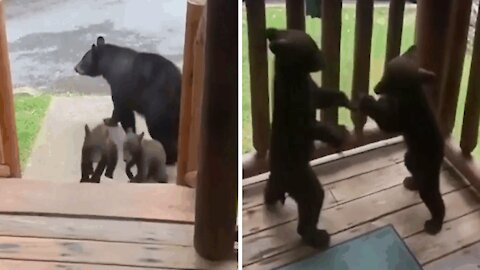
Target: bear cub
(146,83)
(98,148)
(403,108)
(294,129)
(147,155)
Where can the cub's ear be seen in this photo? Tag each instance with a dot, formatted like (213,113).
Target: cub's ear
(87,130)
(100,41)
(426,75)
(140,137)
(411,52)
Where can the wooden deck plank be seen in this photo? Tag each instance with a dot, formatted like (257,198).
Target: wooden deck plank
(457,234)
(331,172)
(465,259)
(96,252)
(389,179)
(38,265)
(407,222)
(97,229)
(160,202)
(342,217)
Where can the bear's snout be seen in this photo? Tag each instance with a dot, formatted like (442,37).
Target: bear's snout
(78,70)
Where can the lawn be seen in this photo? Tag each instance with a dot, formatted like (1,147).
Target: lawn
(276,18)
(29,113)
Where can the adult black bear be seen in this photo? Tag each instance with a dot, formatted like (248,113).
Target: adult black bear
(294,129)
(403,108)
(143,82)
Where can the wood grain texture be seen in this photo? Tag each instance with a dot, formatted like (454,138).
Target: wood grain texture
(160,202)
(406,222)
(96,229)
(43,265)
(346,216)
(467,258)
(95,252)
(7,113)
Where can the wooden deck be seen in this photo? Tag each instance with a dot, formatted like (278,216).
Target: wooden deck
(363,192)
(47,225)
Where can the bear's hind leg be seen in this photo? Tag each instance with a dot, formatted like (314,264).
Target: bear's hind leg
(409,182)
(274,192)
(430,193)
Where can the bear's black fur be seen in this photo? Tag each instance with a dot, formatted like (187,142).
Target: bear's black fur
(98,148)
(403,108)
(294,129)
(143,82)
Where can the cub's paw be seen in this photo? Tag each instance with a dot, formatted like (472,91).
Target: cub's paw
(273,195)
(109,175)
(319,239)
(110,122)
(433,226)
(410,183)
(366,102)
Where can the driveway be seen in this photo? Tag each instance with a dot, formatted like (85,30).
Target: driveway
(47,38)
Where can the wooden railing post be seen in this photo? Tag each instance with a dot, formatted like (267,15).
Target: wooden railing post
(361,64)
(395,28)
(194,13)
(471,115)
(331,37)
(431,36)
(7,112)
(257,48)
(455,55)
(295,14)
(216,192)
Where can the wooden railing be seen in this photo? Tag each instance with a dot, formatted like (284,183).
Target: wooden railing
(9,156)
(441,37)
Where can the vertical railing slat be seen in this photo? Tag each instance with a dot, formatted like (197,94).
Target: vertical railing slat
(331,38)
(471,116)
(395,28)
(361,64)
(455,55)
(295,14)
(257,46)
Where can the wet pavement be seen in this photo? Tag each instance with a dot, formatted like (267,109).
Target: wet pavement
(47,38)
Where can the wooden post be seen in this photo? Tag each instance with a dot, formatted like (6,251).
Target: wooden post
(331,37)
(295,14)
(259,99)
(455,55)
(471,115)
(395,28)
(7,112)
(361,64)
(198,75)
(431,36)
(194,13)
(216,192)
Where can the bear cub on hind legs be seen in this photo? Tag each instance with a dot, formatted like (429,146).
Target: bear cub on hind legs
(294,130)
(403,108)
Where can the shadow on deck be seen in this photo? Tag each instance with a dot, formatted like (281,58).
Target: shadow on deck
(364,192)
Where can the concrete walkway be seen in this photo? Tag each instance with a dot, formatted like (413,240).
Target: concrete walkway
(57,150)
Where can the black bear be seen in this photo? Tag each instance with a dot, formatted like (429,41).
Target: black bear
(98,148)
(146,83)
(403,108)
(294,130)
(147,155)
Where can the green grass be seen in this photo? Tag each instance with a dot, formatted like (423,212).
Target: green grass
(276,18)
(29,113)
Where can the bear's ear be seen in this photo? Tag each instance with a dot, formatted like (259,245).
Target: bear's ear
(411,52)
(87,130)
(100,41)
(140,137)
(426,76)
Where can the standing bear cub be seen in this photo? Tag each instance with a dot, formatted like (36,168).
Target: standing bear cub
(146,83)
(403,108)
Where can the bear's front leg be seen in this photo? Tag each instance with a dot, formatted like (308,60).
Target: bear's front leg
(383,111)
(112,121)
(334,136)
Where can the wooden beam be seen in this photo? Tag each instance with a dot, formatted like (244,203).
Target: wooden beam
(295,14)
(257,55)
(7,112)
(431,36)
(216,199)
(194,13)
(254,164)
(331,38)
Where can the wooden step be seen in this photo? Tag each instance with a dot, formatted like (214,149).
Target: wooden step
(148,202)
